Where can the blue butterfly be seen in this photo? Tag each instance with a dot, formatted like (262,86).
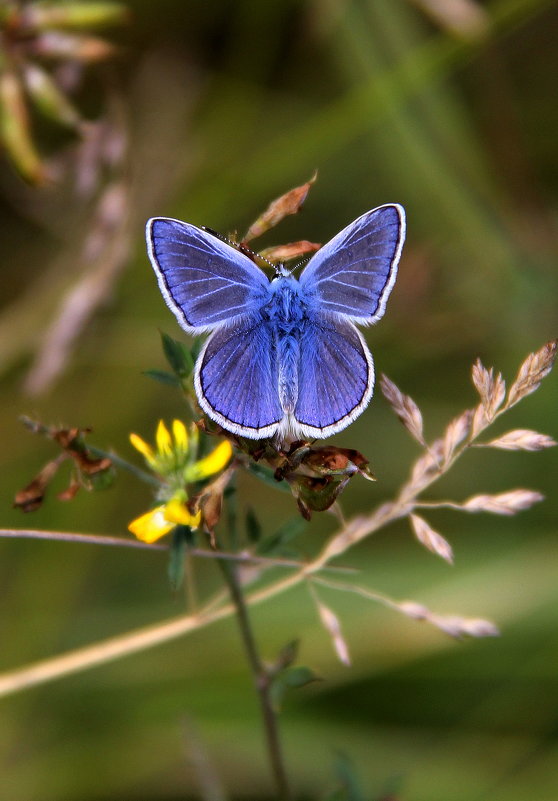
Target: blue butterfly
(284,357)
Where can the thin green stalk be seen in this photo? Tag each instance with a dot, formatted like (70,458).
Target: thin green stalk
(262,681)
(148,478)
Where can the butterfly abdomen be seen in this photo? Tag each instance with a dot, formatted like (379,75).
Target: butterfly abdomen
(286,312)
(288,357)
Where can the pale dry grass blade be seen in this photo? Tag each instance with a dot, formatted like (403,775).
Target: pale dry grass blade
(454,625)
(80,303)
(330,622)
(426,469)
(521,439)
(210,785)
(479,422)
(505,503)
(464,18)
(404,407)
(458,627)
(456,432)
(491,388)
(430,538)
(535,367)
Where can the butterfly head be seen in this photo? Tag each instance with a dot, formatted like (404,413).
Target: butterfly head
(280,271)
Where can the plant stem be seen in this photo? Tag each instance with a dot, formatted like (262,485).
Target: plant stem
(261,679)
(148,478)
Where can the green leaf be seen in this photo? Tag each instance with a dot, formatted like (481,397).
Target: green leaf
(178,356)
(253,527)
(196,349)
(290,679)
(230,497)
(317,495)
(285,534)
(347,777)
(104,479)
(287,655)
(300,676)
(267,475)
(162,377)
(182,537)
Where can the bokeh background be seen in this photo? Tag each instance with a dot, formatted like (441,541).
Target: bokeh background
(212,109)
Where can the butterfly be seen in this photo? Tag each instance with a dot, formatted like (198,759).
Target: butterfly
(284,358)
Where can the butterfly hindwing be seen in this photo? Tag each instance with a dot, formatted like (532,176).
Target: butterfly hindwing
(204,281)
(336,376)
(354,272)
(236,379)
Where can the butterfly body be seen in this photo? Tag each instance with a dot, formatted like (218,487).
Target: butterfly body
(284,357)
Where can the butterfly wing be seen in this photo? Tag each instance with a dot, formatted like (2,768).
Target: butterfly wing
(236,379)
(354,273)
(204,281)
(336,376)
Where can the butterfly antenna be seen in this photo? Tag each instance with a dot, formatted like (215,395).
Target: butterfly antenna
(279,268)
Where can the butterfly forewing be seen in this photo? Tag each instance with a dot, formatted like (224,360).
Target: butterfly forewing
(354,273)
(336,376)
(236,379)
(204,281)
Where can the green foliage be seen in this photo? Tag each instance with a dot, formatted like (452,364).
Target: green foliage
(182,539)
(290,679)
(349,784)
(286,533)
(163,377)
(178,356)
(253,527)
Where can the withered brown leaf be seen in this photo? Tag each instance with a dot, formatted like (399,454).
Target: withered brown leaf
(289,203)
(32,496)
(293,250)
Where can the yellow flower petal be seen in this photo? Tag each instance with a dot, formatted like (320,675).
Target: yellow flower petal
(210,464)
(163,440)
(177,511)
(152,525)
(142,446)
(180,435)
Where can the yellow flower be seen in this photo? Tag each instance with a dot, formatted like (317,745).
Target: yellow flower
(175,454)
(174,459)
(154,524)
(163,458)
(214,462)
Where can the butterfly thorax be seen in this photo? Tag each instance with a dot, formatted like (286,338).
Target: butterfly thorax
(286,305)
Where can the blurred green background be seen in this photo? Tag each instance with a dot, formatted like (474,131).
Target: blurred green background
(225,105)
